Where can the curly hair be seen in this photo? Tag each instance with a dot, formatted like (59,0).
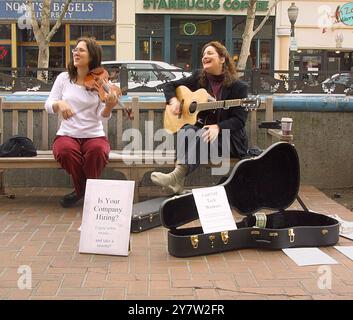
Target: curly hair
(230,72)
(95,53)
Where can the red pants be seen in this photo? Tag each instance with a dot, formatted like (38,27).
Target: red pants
(82,158)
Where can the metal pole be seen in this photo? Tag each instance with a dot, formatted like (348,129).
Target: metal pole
(150,47)
(151,44)
(291,62)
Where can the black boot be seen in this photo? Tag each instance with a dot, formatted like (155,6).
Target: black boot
(70,199)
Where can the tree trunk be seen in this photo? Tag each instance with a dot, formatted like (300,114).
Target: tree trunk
(247,36)
(43,34)
(43,61)
(249,32)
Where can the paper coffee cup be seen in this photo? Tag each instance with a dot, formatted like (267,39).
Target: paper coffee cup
(286,124)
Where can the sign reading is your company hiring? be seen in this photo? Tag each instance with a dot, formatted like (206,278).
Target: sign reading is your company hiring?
(106,217)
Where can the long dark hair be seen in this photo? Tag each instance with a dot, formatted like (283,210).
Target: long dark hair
(94,53)
(230,72)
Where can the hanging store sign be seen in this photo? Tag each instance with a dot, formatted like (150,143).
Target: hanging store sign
(213,5)
(189,28)
(102,11)
(345,14)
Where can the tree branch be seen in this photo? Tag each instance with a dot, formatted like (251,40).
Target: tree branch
(265,18)
(34,23)
(45,19)
(58,22)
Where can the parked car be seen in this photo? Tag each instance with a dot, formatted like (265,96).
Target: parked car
(144,75)
(343,80)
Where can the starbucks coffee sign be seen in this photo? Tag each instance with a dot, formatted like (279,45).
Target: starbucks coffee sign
(205,5)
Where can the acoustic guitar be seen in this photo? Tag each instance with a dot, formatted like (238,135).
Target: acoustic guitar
(191,103)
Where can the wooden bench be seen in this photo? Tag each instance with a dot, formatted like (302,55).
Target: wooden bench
(133,166)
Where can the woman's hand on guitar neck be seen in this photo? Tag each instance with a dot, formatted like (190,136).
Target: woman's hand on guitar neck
(174,106)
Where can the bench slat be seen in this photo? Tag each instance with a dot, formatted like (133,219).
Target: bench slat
(135,110)
(30,124)
(14,122)
(119,129)
(45,131)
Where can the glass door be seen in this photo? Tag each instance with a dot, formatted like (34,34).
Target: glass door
(183,56)
(188,54)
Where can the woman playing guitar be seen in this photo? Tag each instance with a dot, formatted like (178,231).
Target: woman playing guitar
(218,76)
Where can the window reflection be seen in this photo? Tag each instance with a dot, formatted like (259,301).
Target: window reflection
(5,56)
(156,47)
(27,35)
(106,33)
(5,31)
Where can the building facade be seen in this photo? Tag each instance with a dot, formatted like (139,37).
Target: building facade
(18,47)
(324,43)
(175,31)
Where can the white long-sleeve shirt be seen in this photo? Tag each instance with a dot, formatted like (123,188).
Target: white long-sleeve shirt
(87,121)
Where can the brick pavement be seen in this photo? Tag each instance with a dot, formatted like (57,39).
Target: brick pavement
(35,231)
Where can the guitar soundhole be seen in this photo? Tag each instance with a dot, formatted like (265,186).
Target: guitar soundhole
(192,107)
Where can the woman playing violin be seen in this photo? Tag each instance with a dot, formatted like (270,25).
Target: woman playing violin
(80,145)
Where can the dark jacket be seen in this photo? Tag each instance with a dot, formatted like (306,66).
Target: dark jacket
(233,118)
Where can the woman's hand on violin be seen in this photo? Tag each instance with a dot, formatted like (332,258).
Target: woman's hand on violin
(174,106)
(65,109)
(112,97)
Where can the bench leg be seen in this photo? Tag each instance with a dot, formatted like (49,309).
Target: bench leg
(2,188)
(130,174)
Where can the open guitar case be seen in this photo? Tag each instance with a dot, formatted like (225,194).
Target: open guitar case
(269,181)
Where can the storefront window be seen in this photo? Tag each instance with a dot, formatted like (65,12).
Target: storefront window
(108,53)
(149,24)
(101,33)
(261,50)
(5,31)
(251,62)
(184,56)
(5,56)
(156,52)
(311,63)
(266,31)
(27,35)
(27,58)
(57,57)
(265,53)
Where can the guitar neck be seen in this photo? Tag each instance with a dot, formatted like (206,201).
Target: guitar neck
(218,104)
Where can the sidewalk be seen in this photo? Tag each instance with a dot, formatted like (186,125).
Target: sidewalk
(35,231)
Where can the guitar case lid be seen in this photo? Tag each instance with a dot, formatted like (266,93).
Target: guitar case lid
(269,181)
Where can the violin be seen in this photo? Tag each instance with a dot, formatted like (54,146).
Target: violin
(97,80)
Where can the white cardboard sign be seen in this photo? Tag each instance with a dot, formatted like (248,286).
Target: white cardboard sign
(106,219)
(214,210)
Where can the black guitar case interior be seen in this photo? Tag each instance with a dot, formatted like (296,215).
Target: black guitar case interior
(269,181)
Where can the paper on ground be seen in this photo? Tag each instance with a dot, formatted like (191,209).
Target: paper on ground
(347,235)
(346,227)
(347,251)
(308,256)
